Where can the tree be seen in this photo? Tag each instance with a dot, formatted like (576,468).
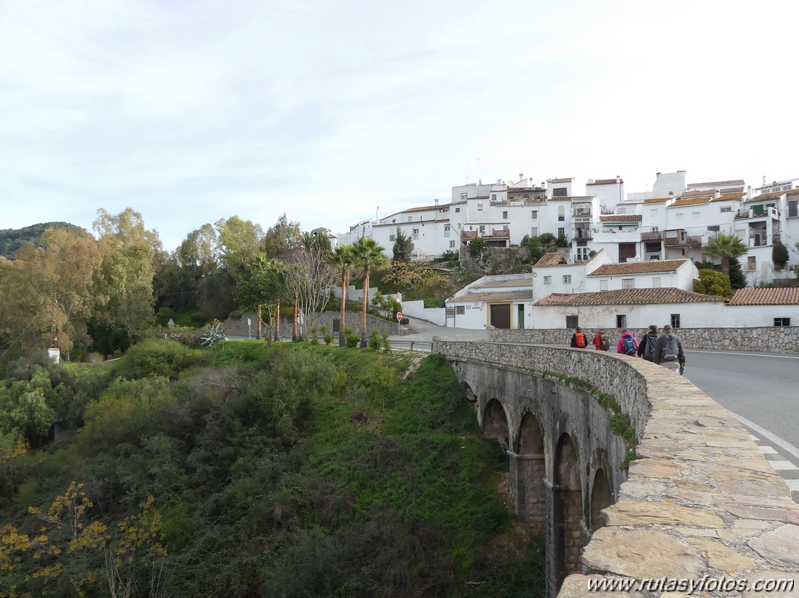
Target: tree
(311,277)
(316,241)
(477,246)
(713,282)
(127,250)
(403,245)
(416,277)
(779,255)
(368,255)
(737,277)
(342,259)
(50,290)
(282,239)
(239,241)
(725,247)
(263,288)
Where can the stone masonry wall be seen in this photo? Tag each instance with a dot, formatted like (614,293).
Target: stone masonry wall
(773,339)
(238,327)
(700,501)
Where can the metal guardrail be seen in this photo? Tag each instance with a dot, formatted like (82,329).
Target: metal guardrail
(413,345)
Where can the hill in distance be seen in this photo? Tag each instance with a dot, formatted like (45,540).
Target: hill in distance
(12,239)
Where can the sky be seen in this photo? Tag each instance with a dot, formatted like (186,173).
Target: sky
(328,111)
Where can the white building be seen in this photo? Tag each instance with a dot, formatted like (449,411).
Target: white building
(679,274)
(554,274)
(628,308)
(762,307)
(610,192)
(498,301)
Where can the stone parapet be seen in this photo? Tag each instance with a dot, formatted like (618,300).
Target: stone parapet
(238,326)
(700,501)
(773,339)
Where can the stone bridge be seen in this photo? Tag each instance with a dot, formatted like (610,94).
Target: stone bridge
(699,498)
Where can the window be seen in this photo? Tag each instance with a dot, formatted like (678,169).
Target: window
(626,251)
(782,321)
(603,284)
(463,196)
(567,279)
(547,280)
(571,321)
(675,320)
(561,213)
(493,197)
(713,228)
(656,282)
(792,209)
(695,215)
(410,218)
(460,310)
(725,209)
(561,232)
(678,216)
(751,263)
(479,207)
(560,192)
(621,321)
(628,283)
(457,209)
(534,231)
(655,229)
(392,237)
(535,214)
(451,244)
(504,215)
(621,210)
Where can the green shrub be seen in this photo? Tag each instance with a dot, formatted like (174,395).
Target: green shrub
(157,357)
(200,317)
(375,342)
(352,340)
(328,338)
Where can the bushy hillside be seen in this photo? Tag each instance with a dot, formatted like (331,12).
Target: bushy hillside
(12,239)
(247,471)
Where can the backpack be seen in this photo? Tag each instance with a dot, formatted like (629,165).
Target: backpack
(669,350)
(628,346)
(649,349)
(605,342)
(579,340)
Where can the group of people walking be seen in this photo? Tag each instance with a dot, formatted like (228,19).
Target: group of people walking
(665,349)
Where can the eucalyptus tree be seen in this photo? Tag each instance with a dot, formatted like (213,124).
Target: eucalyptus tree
(368,255)
(343,260)
(725,247)
(263,288)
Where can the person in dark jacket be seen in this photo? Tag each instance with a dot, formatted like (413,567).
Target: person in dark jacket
(669,352)
(646,346)
(578,339)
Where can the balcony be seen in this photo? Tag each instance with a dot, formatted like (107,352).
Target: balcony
(583,233)
(678,238)
(758,212)
(581,213)
(652,236)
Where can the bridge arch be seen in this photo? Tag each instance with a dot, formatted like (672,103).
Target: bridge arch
(495,423)
(601,498)
(529,466)
(567,512)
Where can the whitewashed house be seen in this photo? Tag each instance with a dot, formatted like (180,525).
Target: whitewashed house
(762,307)
(679,274)
(553,273)
(498,301)
(628,308)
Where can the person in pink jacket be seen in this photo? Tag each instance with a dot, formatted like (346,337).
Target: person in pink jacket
(627,344)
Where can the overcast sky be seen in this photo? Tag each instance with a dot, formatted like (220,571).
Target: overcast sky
(193,111)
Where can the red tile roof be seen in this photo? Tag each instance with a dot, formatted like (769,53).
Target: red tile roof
(551,259)
(789,296)
(629,297)
(658,200)
(562,180)
(639,267)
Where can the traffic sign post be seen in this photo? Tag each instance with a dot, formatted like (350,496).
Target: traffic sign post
(399,323)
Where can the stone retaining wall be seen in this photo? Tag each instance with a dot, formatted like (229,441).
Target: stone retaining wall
(238,326)
(773,339)
(700,500)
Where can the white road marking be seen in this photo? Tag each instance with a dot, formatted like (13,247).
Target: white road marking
(755,438)
(746,354)
(783,465)
(767,450)
(793,485)
(784,444)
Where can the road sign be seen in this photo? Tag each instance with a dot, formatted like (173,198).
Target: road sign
(399,316)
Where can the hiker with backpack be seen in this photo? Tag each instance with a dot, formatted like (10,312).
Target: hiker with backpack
(669,352)
(627,344)
(601,341)
(646,347)
(578,339)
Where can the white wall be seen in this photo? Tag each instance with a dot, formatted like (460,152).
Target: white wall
(416,309)
(692,315)
(751,316)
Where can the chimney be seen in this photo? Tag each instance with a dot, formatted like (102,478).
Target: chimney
(436,200)
(764,180)
(521,177)
(618,179)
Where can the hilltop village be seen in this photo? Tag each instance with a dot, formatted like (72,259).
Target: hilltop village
(620,259)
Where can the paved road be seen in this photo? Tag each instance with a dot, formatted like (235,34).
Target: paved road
(761,389)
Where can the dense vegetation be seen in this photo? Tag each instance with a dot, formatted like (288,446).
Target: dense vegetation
(252,471)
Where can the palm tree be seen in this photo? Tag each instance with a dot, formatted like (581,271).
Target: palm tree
(343,259)
(725,247)
(368,255)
